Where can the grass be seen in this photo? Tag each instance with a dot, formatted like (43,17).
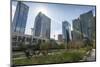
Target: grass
(64,56)
(16,56)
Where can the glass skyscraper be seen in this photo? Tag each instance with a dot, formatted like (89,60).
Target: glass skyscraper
(20,18)
(84,26)
(42,26)
(76,33)
(66,30)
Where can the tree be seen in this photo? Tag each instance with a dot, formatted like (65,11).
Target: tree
(62,46)
(44,47)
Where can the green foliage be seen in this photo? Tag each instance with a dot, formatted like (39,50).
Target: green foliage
(23,46)
(63,56)
(53,44)
(45,45)
(88,42)
(73,57)
(61,46)
(77,44)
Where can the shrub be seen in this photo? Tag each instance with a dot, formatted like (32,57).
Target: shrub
(64,56)
(23,46)
(44,47)
(76,44)
(61,46)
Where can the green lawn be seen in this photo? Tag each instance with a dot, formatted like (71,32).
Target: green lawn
(74,55)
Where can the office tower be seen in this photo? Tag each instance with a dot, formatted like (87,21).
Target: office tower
(20,18)
(42,26)
(84,26)
(94,28)
(86,21)
(66,30)
(76,33)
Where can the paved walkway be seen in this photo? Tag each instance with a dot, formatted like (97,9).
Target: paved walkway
(92,56)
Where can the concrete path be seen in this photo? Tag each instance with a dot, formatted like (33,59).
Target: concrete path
(92,56)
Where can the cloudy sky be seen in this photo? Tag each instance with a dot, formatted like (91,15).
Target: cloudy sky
(56,12)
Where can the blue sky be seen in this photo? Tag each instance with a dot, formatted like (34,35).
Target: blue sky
(57,13)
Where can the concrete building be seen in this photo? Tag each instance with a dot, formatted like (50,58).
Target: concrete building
(18,38)
(60,38)
(20,18)
(66,30)
(42,26)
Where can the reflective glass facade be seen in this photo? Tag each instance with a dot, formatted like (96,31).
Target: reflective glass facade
(20,18)
(66,30)
(42,26)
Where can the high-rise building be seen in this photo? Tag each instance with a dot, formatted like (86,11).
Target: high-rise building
(86,20)
(42,26)
(60,37)
(76,25)
(84,26)
(20,18)
(66,30)
(76,33)
(94,27)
